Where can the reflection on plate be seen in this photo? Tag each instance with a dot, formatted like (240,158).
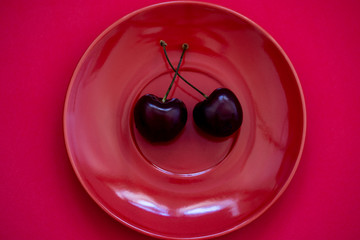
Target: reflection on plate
(194,186)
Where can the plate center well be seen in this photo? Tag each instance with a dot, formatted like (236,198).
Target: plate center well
(192,151)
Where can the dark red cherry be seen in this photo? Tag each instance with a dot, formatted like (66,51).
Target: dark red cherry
(159,121)
(220,114)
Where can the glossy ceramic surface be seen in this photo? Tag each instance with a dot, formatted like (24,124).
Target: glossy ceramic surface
(194,186)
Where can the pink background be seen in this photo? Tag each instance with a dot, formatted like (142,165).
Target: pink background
(41,43)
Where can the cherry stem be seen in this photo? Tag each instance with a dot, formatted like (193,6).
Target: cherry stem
(163,44)
(184,47)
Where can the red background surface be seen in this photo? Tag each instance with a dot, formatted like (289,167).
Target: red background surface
(41,43)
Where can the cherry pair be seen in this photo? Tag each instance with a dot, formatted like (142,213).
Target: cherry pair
(160,120)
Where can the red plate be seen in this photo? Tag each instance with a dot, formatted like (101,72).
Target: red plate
(194,186)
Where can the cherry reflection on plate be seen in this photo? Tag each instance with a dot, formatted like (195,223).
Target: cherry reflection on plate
(194,186)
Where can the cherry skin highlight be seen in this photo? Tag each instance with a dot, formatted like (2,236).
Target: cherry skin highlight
(220,114)
(159,121)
